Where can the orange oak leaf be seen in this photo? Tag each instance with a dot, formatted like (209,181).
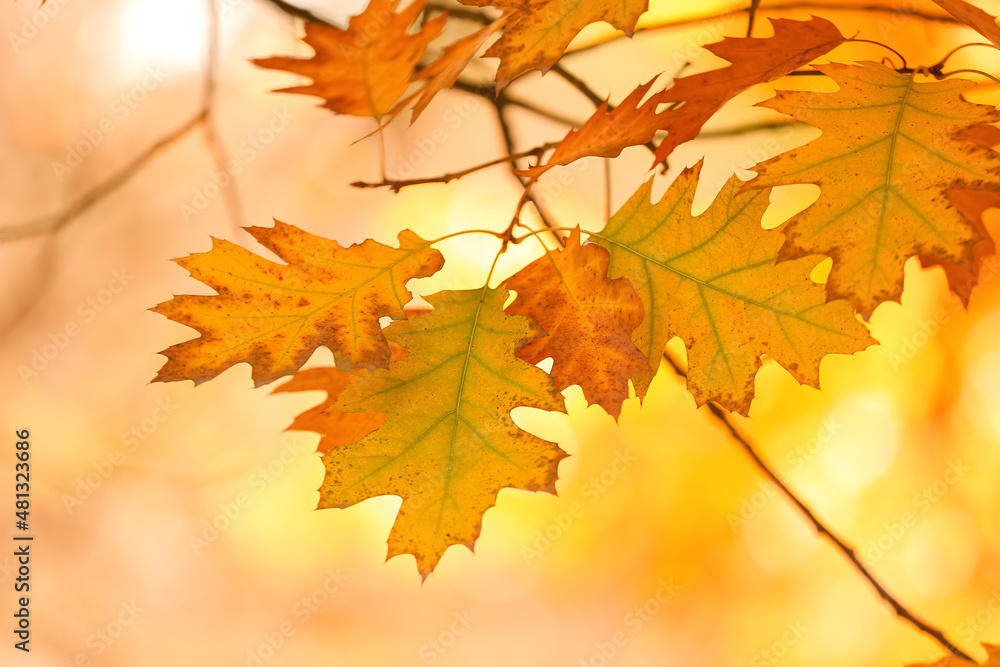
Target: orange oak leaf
(973,204)
(274,316)
(890,151)
(448,443)
(539,31)
(365,69)
(588,319)
(974,17)
(444,72)
(715,281)
(992,659)
(753,60)
(335,428)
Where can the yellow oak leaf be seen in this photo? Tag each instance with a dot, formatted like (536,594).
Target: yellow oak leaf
(448,444)
(539,31)
(588,320)
(891,149)
(274,316)
(715,281)
(365,69)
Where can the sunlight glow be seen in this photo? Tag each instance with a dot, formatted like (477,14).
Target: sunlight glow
(863,449)
(172,35)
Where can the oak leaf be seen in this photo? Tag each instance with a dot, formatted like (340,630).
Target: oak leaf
(890,150)
(753,60)
(444,72)
(448,444)
(274,316)
(974,17)
(973,204)
(992,659)
(588,319)
(714,280)
(336,428)
(539,31)
(365,69)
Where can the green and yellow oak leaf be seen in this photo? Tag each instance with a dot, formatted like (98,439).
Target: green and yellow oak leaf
(890,151)
(692,100)
(365,69)
(538,31)
(448,443)
(274,316)
(992,659)
(588,320)
(715,281)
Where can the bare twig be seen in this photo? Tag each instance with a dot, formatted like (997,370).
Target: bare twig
(54,223)
(752,14)
(897,606)
(220,156)
(508,140)
(299,12)
(396,186)
(577,83)
(781,6)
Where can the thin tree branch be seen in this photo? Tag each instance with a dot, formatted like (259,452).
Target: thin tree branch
(508,139)
(487,91)
(805,4)
(460,12)
(579,84)
(220,156)
(396,186)
(55,223)
(299,12)
(897,606)
(752,14)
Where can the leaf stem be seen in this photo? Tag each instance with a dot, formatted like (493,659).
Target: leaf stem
(897,606)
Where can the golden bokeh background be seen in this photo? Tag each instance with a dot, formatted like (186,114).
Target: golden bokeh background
(665,546)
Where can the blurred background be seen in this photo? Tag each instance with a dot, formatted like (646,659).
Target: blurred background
(176,524)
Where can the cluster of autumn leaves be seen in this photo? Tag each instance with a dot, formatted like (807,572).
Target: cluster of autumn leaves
(421,408)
